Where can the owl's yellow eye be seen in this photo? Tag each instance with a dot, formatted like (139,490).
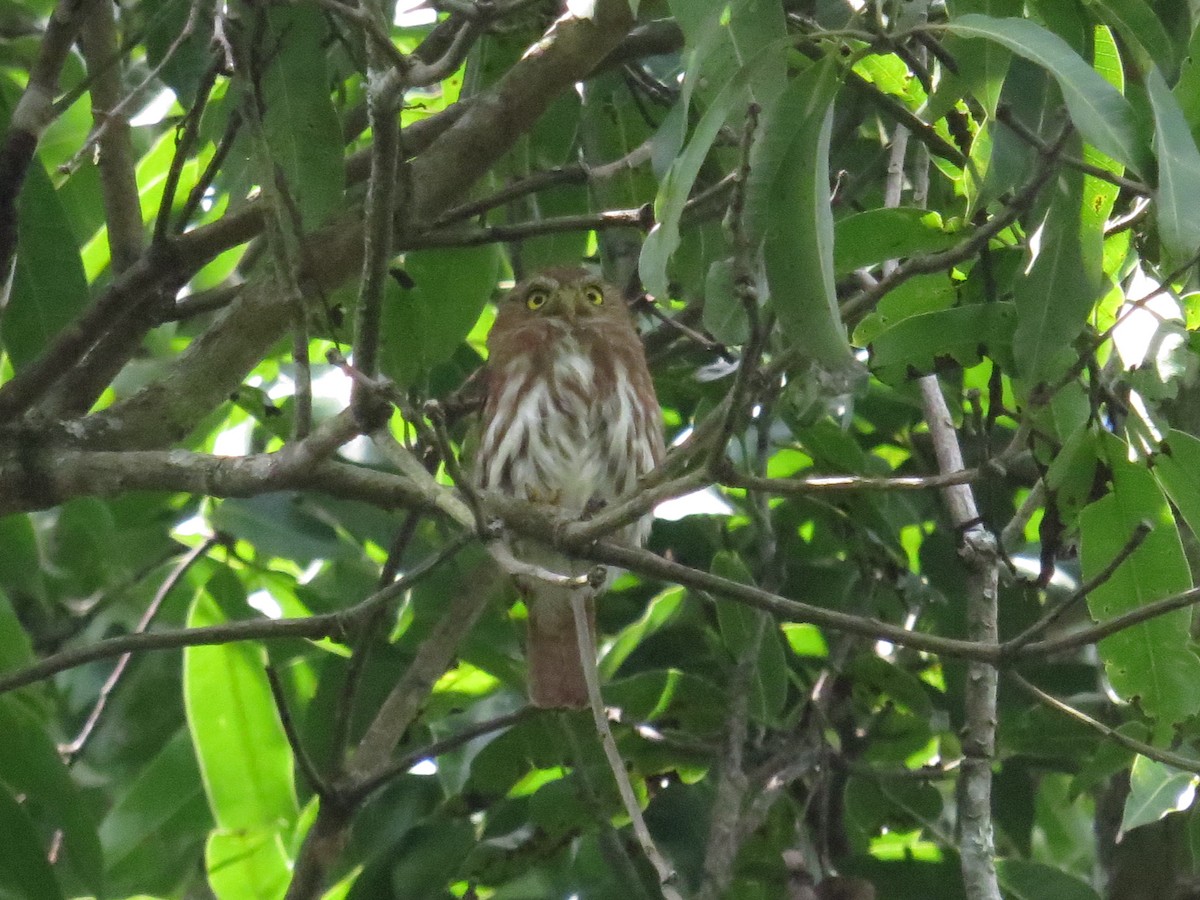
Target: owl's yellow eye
(537,299)
(595,296)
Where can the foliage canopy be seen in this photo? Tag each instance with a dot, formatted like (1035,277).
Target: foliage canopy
(917,284)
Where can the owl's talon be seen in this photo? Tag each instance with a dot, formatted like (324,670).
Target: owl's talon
(592,507)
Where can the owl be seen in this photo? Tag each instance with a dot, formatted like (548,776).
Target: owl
(570,419)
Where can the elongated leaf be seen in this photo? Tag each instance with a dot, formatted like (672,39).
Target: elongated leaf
(1152,661)
(30,766)
(141,819)
(300,124)
(1055,297)
(1140,29)
(871,237)
(1177,467)
(768,677)
(983,71)
(166,20)
(1155,790)
(663,239)
(756,27)
(247,864)
(24,872)
(659,613)
(1026,880)
(724,314)
(243,755)
(49,287)
(965,334)
(424,325)
(789,207)
(1178,172)
(1100,113)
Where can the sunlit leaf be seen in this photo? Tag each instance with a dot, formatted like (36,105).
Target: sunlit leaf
(1101,114)
(1152,661)
(789,209)
(425,323)
(1178,172)
(244,758)
(915,345)
(1155,790)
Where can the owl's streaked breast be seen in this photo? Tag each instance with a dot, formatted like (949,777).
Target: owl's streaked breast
(553,435)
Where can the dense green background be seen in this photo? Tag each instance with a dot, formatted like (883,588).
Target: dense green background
(1050,188)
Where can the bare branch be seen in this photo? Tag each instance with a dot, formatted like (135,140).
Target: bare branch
(118,184)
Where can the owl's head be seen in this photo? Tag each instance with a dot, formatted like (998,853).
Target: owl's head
(572,296)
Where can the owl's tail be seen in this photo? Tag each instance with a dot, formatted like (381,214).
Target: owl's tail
(555,670)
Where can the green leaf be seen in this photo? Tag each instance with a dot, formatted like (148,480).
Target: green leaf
(24,872)
(31,767)
(429,857)
(15,647)
(789,208)
(757,26)
(1177,467)
(660,612)
(1026,880)
(300,124)
(247,864)
(724,315)
(281,524)
(49,288)
(20,563)
(921,294)
(423,326)
(243,754)
(868,238)
(663,238)
(1142,32)
(1101,114)
(1155,790)
(145,819)
(914,346)
(1152,661)
(739,624)
(182,66)
(1054,298)
(1178,172)
(983,71)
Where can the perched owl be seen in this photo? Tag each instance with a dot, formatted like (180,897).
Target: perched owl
(570,419)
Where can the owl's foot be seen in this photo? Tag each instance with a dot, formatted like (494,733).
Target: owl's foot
(592,507)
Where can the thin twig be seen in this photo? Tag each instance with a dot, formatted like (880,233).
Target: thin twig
(70,752)
(303,760)
(1166,757)
(382,106)
(432,751)
(1056,612)
(969,247)
(326,625)
(586,643)
(1020,129)
(189,26)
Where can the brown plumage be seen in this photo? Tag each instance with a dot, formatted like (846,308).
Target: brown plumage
(570,419)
